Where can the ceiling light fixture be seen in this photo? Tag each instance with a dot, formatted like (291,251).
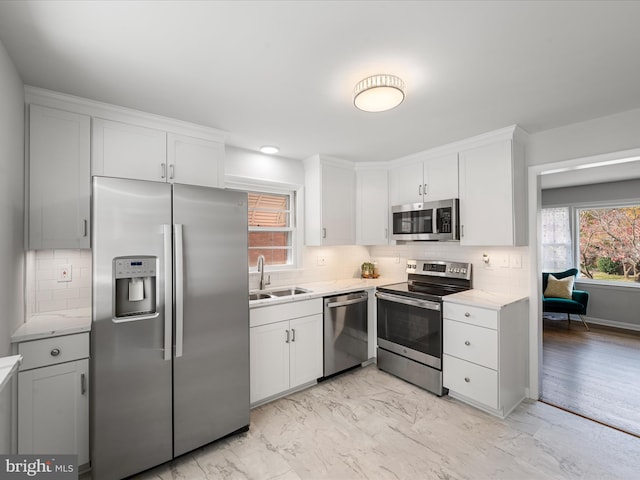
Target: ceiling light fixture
(269,149)
(378,93)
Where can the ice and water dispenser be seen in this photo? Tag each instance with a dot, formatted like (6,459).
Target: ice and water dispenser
(135,287)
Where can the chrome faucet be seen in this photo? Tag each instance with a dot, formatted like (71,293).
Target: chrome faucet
(261,270)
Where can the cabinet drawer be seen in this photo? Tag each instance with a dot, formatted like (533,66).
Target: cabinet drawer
(469,342)
(284,311)
(50,351)
(482,317)
(471,380)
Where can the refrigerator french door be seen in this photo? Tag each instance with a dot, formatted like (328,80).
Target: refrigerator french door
(170,333)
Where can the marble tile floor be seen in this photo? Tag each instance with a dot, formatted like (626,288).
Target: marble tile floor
(366,424)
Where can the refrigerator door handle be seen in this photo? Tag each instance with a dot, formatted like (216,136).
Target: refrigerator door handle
(168,292)
(179,289)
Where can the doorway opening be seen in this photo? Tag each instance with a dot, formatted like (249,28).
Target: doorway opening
(592,373)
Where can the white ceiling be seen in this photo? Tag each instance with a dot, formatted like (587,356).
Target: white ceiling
(275,72)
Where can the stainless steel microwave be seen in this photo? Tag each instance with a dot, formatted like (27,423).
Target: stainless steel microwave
(427,221)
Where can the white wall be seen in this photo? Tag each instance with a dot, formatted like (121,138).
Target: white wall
(257,166)
(11,219)
(601,135)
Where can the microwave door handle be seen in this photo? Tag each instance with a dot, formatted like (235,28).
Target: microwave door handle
(434,221)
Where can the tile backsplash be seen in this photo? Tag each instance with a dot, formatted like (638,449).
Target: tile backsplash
(507,270)
(45,293)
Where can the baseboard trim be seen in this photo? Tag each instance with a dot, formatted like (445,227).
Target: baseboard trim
(609,323)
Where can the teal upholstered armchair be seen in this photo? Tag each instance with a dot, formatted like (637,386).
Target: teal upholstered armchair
(576,304)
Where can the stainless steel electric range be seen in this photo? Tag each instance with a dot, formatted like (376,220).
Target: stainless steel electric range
(410,321)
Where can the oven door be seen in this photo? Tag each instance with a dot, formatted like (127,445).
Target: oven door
(410,327)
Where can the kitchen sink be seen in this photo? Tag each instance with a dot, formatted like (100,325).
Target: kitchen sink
(288,291)
(259,296)
(281,292)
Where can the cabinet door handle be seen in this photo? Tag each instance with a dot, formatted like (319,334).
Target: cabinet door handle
(83,384)
(171,171)
(467,379)
(461,231)
(287,340)
(164,170)
(426,189)
(467,343)
(467,314)
(84,227)
(293,334)
(55,352)
(420,190)
(386,233)
(324,233)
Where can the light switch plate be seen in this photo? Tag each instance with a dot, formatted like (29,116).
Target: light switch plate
(516,261)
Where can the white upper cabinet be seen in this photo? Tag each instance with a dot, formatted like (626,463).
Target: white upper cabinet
(429,179)
(372,207)
(128,151)
(195,161)
(58,180)
(492,194)
(405,184)
(131,151)
(329,202)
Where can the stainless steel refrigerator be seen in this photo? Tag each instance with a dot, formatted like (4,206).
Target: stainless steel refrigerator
(170,333)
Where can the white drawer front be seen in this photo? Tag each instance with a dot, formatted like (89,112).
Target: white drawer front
(483,317)
(468,342)
(50,351)
(471,380)
(284,311)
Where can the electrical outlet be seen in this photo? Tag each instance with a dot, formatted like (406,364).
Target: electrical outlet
(321,261)
(64,273)
(504,261)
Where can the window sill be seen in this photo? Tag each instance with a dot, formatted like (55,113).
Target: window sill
(603,283)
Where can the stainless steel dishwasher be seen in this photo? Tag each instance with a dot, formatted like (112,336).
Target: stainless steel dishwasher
(345,331)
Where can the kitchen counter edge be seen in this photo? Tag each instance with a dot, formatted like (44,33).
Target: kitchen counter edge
(324,289)
(485,299)
(53,324)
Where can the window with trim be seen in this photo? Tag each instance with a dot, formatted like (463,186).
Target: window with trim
(609,243)
(557,246)
(272,228)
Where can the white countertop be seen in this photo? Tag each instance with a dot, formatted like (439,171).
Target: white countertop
(54,324)
(324,289)
(483,298)
(8,366)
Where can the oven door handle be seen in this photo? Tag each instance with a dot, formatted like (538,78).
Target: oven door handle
(409,301)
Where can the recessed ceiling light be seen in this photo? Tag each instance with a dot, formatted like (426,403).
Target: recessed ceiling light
(378,93)
(269,149)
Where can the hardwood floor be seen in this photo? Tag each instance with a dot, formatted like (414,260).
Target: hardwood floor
(593,373)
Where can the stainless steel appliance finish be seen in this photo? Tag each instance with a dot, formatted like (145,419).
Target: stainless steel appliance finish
(345,331)
(171,378)
(409,321)
(426,221)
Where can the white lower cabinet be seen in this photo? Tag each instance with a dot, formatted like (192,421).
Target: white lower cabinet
(485,355)
(285,346)
(53,397)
